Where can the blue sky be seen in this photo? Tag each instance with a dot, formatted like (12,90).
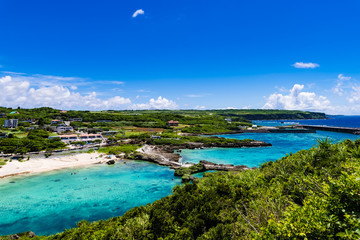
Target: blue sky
(88,54)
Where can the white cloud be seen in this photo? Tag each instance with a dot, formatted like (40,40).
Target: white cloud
(297,100)
(18,92)
(305,65)
(355,95)
(159,103)
(343,78)
(194,95)
(116,82)
(137,12)
(200,107)
(338,89)
(73,87)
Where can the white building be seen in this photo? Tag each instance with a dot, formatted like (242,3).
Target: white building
(11,123)
(90,137)
(69,138)
(61,129)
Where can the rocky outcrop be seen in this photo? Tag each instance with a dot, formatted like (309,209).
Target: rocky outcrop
(110,162)
(164,159)
(203,166)
(223,167)
(22,235)
(199,145)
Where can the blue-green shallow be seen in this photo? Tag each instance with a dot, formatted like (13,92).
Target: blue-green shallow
(50,203)
(282,144)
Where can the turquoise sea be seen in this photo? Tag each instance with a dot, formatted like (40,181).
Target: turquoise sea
(51,202)
(282,144)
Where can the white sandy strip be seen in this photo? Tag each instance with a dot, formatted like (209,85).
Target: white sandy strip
(42,164)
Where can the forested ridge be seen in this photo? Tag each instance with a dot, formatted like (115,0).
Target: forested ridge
(311,194)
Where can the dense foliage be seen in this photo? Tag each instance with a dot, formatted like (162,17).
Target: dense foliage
(155,118)
(312,194)
(127,149)
(36,140)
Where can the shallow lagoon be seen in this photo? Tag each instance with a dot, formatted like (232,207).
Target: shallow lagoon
(282,143)
(49,203)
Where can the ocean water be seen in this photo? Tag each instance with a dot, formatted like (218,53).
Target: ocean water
(338,121)
(50,203)
(282,144)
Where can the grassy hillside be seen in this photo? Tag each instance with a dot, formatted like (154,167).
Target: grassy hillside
(312,194)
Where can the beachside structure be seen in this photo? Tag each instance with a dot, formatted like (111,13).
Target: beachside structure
(64,128)
(2,115)
(68,138)
(14,112)
(90,137)
(11,123)
(173,123)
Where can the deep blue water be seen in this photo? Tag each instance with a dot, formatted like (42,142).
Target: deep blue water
(339,121)
(49,203)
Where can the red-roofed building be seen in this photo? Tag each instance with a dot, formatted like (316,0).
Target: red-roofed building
(173,123)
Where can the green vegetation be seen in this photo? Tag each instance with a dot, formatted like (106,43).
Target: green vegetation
(208,120)
(190,170)
(312,194)
(36,140)
(128,124)
(2,162)
(185,173)
(127,149)
(172,139)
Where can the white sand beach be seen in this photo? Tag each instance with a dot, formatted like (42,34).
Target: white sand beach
(39,164)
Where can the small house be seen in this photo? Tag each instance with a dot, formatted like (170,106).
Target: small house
(61,129)
(173,123)
(55,122)
(68,138)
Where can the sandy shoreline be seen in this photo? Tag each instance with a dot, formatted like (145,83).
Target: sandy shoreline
(40,164)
